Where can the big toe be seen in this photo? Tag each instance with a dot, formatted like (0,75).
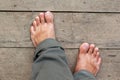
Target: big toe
(49,17)
(84,48)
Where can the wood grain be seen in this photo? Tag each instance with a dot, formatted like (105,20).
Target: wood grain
(17,62)
(64,5)
(72,29)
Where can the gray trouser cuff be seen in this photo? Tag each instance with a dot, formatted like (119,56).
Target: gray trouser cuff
(48,43)
(50,62)
(84,75)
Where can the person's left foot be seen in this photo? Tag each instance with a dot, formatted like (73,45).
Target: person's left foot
(88,59)
(42,28)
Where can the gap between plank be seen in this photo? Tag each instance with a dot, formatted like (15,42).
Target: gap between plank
(58,11)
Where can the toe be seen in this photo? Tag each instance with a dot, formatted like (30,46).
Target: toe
(97,56)
(99,61)
(37,20)
(32,31)
(34,25)
(42,18)
(95,51)
(49,17)
(91,49)
(84,48)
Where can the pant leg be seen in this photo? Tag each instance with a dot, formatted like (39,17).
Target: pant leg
(84,75)
(50,62)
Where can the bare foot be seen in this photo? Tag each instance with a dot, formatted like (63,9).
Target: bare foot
(42,28)
(88,59)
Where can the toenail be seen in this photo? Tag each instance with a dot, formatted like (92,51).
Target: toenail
(98,53)
(34,22)
(85,45)
(96,49)
(41,13)
(48,12)
(37,17)
(92,45)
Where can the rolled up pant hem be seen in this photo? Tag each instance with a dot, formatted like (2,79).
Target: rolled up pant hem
(84,75)
(48,53)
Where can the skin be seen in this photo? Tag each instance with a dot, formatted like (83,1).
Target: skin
(88,59)
(43,28)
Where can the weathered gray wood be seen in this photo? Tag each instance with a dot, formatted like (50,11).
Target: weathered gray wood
(72,29)
(101,29)
(64,5)
(16,63)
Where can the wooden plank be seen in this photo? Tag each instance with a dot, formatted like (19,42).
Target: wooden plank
(17,62)
(72,29)
(100,29)
(64,5)
(15,29)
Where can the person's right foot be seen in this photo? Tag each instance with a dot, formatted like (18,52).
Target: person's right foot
(88,59)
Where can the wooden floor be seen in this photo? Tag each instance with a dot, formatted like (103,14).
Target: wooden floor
(76,21)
